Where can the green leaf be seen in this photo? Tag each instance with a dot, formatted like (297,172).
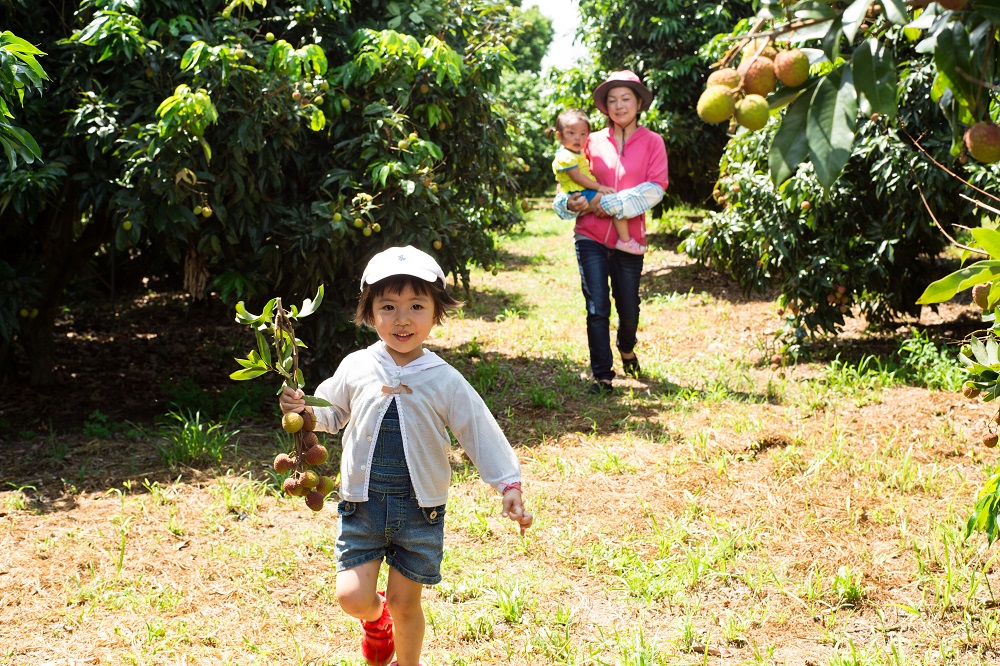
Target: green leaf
(789,148)
(831,124)
(895,11)
(944,289)
(313,401)
(310,305)
(988,239)
(263,348)
(247,373)
(874,71)
(853,17)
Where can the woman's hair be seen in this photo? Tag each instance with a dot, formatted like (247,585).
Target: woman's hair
(395,284)
(570,116)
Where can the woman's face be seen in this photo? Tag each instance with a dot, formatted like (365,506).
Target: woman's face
(623,106)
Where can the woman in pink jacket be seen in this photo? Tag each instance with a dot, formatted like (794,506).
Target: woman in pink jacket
(632,160)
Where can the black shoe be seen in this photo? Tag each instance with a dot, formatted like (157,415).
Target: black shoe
(630,366)
(601,387)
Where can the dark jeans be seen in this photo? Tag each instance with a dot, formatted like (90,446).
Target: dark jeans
(600,265)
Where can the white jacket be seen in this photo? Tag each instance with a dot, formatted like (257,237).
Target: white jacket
(441,397)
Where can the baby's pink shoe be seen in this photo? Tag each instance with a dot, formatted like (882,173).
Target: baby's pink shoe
(631,246)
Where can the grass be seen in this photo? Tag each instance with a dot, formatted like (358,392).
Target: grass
(713,512)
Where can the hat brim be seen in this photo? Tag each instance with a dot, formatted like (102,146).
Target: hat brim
(421,273)
(601,94)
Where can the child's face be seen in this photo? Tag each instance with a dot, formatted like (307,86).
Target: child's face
(403,321)
(574,136)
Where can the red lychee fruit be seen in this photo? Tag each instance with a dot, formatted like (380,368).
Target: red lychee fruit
(316,455)
(283,463)
(990,440)
(314,501)
(982,140)
(309,440)
(308,421)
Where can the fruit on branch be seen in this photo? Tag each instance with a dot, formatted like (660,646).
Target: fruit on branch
(293,486)
(752,112)
(308,439)
(971,392)
(716,104)
(954,5)
(727,76)
(982,140)
(981,294)
(758,76)
(309,479)
(283,463)
(314,500)
(325,485)
(791,67)
(761,44)
(308,420)
(292,422)
(316,455)
(990,440)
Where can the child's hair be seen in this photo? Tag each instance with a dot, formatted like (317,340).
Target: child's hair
(395,284)
(570,116)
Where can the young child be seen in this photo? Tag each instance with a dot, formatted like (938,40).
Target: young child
(393,401)
(573,171)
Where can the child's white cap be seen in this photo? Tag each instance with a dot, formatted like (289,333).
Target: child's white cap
(402,261)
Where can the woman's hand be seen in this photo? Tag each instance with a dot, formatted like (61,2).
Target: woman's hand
(595,207)
(577,203)
(513,508)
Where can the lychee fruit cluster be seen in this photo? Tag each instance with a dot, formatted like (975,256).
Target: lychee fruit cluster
(740,94)
(304,482)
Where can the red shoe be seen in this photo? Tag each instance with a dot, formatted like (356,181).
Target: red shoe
(377,645)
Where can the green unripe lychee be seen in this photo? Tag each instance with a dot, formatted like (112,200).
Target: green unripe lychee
(269,37)
(758,76)
(291,422)
(309,479)
(752,112)
(716,104)
(982,140)
(727,76)
(325,485)
(791,67)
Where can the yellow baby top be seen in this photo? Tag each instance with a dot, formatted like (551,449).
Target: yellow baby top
(565,160)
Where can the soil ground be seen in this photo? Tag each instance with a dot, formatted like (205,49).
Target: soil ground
(71,447)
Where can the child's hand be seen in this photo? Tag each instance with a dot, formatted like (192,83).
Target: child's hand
(514,509)
(604,189)
(291,400)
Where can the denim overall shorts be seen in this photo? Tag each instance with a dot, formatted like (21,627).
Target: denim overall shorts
(391,525)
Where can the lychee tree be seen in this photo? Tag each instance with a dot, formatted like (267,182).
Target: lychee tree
(19,70)
(241,147)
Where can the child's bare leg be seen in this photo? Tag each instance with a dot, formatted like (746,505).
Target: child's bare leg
(621,226)
(403,597)
(356,591)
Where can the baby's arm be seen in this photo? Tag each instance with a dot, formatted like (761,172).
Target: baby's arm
(577,177)
(513,508)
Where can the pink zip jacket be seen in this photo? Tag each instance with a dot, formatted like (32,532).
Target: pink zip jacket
(643,160)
